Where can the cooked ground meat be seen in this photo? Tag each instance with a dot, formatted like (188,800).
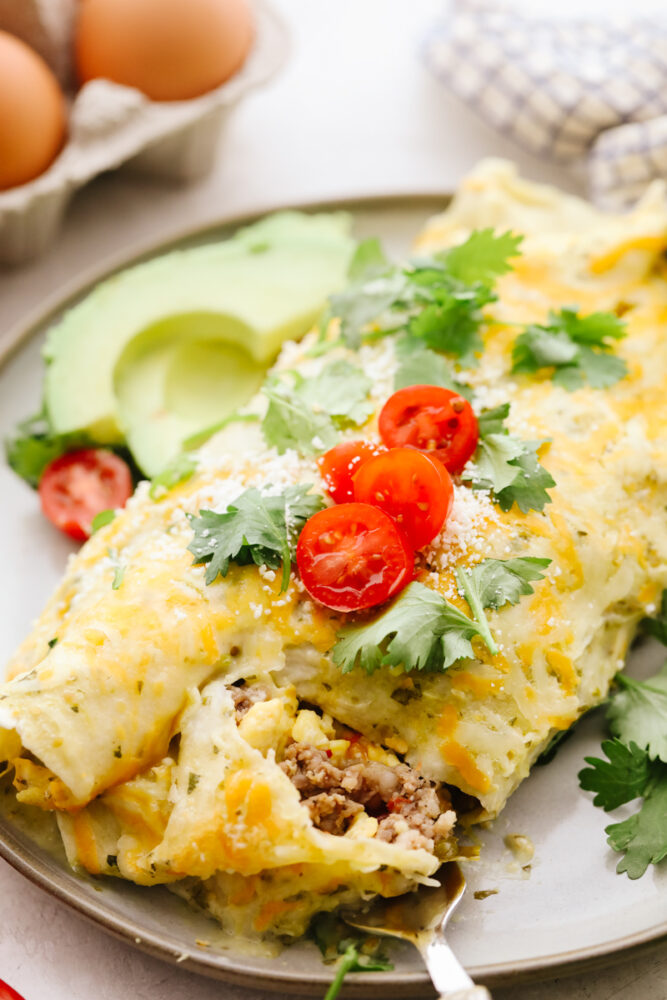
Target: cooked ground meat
(408,807)
(330,811)
(245,696)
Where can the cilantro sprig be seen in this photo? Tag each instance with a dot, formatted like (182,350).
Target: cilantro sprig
(483,257)
(259,527)
(35,445)
(576,347)
(354,952)
(421,630)
(508,465)
(638,712)
(493,583)
(635,768)
(306,414)
(438,299)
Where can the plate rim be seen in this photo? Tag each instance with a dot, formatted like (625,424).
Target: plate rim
(215,965)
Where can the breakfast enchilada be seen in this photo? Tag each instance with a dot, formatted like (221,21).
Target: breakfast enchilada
(226,725)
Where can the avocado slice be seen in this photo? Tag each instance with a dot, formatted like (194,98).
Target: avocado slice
(169,388)
(173,345)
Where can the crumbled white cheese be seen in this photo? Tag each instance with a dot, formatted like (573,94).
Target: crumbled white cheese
(464,533)
(379,363)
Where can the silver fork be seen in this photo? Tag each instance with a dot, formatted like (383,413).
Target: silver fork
(421,918)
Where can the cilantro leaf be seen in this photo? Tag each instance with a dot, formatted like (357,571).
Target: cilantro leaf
(368,261)
(643,836)
(598,369)
(35,445)
(452,322)
(29,456)
(178,471)
(353,960)
(577,347)
(341,390)
(418,365)
(496,450)
(638,712)
(421,630)
(494,463)
(542,347)
(363,302)
(493,421)
(657,627)
(497,582)
(483,257)
(101,520)
(257,527)
(529,490)
(439,300)
(637,717)
(291,423)
(307,415)
(621,778)
(410,632)
(493,583)
(595,329)
(507,465)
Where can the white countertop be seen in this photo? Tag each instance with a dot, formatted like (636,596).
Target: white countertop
(352,114)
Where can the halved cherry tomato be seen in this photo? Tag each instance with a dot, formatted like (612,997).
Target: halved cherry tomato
(340,464)
(79,485)
(353,556)
(409,486)
(7,993)
(432,419)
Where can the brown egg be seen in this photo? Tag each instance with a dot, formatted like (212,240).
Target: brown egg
(32,113)
(171,50)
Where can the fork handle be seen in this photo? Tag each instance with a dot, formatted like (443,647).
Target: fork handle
(448,975)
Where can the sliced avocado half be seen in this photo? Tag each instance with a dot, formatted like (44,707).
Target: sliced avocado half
(170,386)
(174,345)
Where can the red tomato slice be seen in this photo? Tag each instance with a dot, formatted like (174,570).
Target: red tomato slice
(353,556)
(7,993)
(79,485)
(432,419)
(409,486)
(339,465)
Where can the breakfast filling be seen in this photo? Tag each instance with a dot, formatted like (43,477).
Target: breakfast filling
(397,805)
(346,793)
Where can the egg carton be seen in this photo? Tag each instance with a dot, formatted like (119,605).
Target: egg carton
(114,126)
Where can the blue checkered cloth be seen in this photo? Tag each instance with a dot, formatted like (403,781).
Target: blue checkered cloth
(575,91)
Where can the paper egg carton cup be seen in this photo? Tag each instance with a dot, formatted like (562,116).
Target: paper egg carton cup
(115,126)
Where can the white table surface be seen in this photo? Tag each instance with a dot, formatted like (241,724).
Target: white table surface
(353,113)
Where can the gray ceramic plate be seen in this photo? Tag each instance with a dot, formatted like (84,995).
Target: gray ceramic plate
(568,911)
